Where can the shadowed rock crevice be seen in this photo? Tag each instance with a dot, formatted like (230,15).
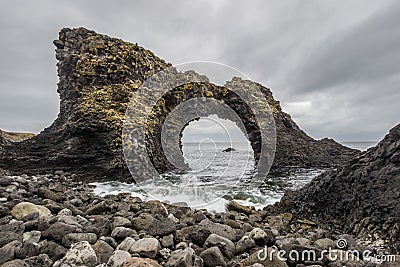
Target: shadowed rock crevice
(97,76)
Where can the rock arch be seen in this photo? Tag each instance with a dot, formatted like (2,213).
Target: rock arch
(197,91)
(97,77)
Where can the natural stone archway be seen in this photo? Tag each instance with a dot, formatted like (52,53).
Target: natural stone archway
(198,91)
(97,77)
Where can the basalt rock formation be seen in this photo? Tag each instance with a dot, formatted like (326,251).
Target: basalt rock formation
(15,137)
(97,77)
(361,198)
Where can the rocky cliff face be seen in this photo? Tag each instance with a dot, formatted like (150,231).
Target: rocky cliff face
(362,198)
(97,77)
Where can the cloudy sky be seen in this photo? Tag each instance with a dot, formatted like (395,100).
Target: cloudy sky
(334,67)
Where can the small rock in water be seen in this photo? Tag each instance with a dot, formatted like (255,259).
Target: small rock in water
(229,149)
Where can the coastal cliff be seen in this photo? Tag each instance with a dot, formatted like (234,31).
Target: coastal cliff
(97,75)
(361,198)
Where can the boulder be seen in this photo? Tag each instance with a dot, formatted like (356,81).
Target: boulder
(219,229)
(181,258)
(80,254)
(118,258)
(126,244)
(24,209)
(103,251)
(212,257)
(245,244)
(226,246)
(7,237)
(58,230)
(262,237)
(122,232)
(147,247)
(8,251)
(31,237)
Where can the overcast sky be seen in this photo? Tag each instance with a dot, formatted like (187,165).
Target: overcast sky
(334,65)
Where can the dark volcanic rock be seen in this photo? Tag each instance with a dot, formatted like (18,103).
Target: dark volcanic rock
(98,75)
(229,149)
(362,198)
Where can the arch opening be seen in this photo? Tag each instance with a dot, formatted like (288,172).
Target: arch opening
(202,100)
(215,147)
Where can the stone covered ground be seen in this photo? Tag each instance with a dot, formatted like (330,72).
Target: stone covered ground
(53,221)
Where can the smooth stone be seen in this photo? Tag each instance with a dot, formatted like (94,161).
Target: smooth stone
(245,244)
(219,229)
(122,232)
(126,244)
(167,241)
(226,246)
(26,208)
(118,258)
(103,251)
(213,257)
(121,221)
(147,247)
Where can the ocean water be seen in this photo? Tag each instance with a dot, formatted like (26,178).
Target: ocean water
(217,177)
(360,145)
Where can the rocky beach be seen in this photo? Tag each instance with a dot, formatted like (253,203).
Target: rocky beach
(50,216)
(51,220)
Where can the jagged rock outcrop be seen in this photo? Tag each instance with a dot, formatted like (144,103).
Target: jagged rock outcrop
(98,75)
(361,198)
